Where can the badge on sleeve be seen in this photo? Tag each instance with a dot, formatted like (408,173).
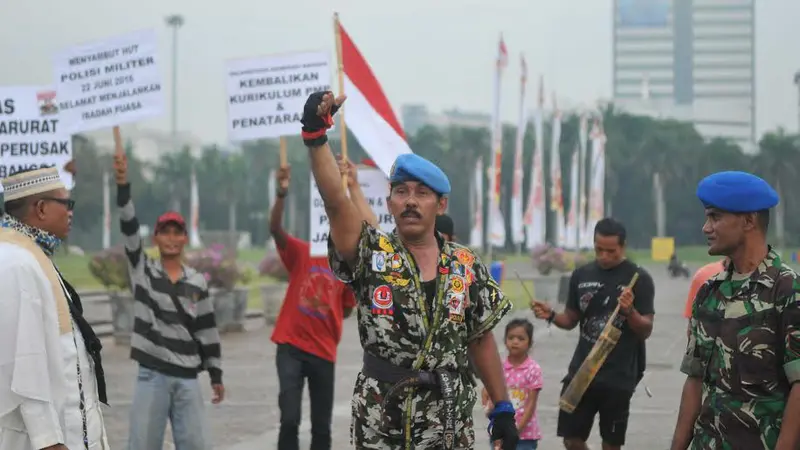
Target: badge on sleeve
(385,245)
(396,261)
(382,302)
(455,306)
(464,256)
(470,276)
(396,279)
(457,285)
(379,262)
(458,269)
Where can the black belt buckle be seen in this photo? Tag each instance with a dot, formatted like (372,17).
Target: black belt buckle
(448,395)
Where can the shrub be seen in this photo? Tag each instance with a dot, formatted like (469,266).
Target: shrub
(110,268)
(272,266)
(218,266)
(547,258)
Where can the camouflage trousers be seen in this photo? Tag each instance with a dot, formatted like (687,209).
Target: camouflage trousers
(413,422)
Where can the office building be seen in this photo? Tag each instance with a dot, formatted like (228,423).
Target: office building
(691,60)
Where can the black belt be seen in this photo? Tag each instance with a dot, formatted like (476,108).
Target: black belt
(403,378)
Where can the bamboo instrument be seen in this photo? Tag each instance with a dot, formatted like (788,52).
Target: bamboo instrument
(594,361)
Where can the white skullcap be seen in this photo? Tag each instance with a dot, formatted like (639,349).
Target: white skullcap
(25,184)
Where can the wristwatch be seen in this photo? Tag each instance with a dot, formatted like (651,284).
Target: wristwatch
(281,193)
(552,317)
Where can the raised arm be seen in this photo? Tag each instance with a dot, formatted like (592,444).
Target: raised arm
(128,223)
(276,214)
(346,223)
(349,170)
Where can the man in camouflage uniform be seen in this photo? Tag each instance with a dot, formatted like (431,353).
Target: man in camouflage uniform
(743,357)
(424,304)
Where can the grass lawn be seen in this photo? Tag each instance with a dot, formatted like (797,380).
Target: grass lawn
(76,269)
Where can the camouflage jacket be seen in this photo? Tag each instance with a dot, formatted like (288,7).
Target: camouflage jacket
(745,343)
(394,324)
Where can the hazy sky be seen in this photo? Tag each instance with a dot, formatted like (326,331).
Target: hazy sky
(439,52)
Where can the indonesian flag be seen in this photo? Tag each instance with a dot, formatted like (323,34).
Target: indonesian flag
(496,222)
(517,207)
(556,192)
(367,111)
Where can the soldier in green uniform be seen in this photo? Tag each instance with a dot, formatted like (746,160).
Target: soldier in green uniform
(424,306)
(743,357)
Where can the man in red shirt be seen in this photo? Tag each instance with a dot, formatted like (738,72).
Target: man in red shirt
(309,325)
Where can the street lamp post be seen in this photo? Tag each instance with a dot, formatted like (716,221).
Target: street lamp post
(797,83)
(175,21)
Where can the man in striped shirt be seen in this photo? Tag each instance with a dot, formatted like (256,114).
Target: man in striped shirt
(174,333)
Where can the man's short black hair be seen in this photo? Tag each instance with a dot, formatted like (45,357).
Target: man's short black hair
(611,227)
(763,219)
(444,225)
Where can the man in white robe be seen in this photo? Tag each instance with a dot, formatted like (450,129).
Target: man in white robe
(51,378)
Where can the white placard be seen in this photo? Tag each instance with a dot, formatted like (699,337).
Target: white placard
(375,187)
(110,82)
(31,135)
(266,95)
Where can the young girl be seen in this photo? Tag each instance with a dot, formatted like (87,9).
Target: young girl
(523,380)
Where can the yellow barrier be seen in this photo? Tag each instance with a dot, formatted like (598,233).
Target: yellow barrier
(662,248)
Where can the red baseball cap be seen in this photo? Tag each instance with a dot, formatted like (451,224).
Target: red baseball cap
(170,217)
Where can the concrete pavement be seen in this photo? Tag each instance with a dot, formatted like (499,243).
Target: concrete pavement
(248,419)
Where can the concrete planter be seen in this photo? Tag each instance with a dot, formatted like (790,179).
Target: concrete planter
(272,297)
(229,308)
(121,316)
(552,287)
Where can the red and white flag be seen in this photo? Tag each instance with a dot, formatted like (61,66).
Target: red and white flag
(517,207)
(367,110)
(535,213)
(496,223)
(556,186)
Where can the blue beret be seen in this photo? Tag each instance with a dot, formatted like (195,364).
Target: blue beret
(737,192)
(411,167)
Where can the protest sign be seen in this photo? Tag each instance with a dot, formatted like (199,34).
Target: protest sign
(266,95)
(31,136)
(375,187)
(107,83)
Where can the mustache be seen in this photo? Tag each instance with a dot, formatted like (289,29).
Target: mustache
(411,213)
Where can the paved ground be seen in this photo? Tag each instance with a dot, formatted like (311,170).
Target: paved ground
(248,419)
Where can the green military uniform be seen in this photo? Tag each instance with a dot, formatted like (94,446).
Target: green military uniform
(745,344)
(397,324)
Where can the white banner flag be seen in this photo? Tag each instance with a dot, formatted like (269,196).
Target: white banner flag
(476,230)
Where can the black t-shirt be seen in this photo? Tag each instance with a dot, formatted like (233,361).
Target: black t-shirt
(593,293)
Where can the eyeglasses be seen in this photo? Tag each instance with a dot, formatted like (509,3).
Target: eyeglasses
(68,202)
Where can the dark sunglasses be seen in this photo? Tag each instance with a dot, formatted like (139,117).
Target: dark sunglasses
(68,202)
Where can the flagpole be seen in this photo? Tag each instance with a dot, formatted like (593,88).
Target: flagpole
(340,73)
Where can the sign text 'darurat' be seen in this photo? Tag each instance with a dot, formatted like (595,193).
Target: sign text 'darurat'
(31,135)
(266,95)
(109,82)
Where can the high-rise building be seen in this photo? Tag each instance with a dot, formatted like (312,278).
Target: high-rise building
(691,60)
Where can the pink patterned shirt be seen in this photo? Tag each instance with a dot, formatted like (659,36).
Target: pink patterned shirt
(521,380)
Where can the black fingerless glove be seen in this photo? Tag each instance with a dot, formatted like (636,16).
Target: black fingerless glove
(315,126)
(504,427)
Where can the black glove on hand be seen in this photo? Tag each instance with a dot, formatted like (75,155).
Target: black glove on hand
(504,427)
(318,117)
